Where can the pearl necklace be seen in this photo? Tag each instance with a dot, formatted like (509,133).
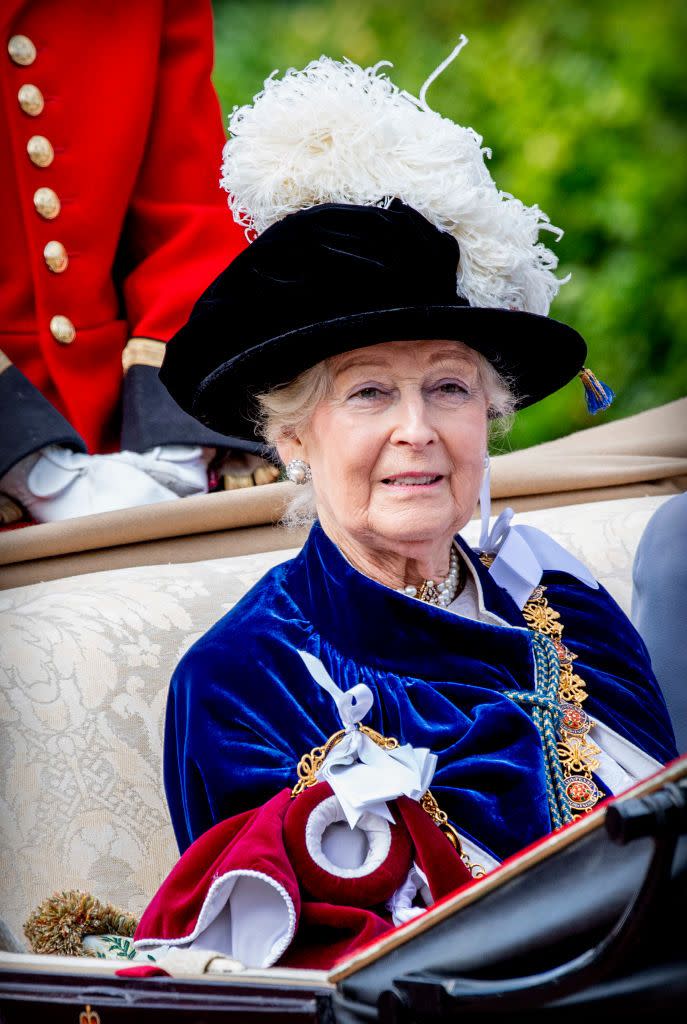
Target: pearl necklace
(441,594)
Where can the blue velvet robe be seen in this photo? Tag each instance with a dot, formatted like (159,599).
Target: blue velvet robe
(243,708)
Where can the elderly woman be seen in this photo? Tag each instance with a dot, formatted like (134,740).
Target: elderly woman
(341,331)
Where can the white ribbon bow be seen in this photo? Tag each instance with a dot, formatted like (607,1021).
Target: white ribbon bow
(362,775)
(524,553)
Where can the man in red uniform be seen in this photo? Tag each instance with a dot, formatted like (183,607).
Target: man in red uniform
(113,224)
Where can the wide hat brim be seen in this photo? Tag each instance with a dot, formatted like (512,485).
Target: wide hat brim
(521,345)
(337,277)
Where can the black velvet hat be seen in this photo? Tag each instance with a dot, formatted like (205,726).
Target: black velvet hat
(336,277)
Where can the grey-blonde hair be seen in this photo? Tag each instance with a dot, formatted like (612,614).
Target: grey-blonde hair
(285,412)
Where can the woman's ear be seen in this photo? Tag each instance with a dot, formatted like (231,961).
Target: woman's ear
(289,448)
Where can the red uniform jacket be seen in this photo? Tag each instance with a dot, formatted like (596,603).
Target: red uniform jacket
(114,221)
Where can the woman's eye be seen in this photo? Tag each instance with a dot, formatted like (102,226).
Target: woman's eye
(451,387)
(368,393)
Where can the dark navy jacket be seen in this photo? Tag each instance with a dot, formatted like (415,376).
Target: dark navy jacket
(243,708)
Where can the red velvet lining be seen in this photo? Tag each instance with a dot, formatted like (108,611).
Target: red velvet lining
(365,891)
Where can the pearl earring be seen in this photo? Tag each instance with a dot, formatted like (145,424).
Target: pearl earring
(298,471)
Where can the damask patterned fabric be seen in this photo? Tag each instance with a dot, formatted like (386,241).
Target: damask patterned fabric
(85,664)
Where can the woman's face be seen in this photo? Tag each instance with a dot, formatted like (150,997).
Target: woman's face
(397,449)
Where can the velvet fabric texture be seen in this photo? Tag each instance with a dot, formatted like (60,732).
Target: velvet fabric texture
(362,889)
(243,709)
(336,277)
(332,916)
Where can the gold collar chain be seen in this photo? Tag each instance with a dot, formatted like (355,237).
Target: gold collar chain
(576,752)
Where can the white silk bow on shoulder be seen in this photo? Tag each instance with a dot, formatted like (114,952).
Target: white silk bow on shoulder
(523,553)
(363,775)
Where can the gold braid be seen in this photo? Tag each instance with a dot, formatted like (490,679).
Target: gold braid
(576,752)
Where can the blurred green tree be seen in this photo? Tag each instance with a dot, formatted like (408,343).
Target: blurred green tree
(582,104)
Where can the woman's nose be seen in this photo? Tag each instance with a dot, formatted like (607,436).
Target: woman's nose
(413,424)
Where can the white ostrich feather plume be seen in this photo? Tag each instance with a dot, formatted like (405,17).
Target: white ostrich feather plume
(338,133)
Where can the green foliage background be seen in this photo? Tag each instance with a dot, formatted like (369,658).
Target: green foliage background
(582,103)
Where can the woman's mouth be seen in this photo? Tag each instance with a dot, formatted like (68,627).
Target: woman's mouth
(413,480)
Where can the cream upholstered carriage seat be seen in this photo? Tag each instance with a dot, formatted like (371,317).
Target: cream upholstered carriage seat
(84,667)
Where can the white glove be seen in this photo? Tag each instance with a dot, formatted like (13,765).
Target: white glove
(56,483)
(179,467)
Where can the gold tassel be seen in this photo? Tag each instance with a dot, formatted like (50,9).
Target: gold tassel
(61,922)
(599,396)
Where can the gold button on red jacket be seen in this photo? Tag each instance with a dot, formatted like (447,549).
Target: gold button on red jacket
(131,195)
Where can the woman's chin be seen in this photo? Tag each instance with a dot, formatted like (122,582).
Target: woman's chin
(416,526)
